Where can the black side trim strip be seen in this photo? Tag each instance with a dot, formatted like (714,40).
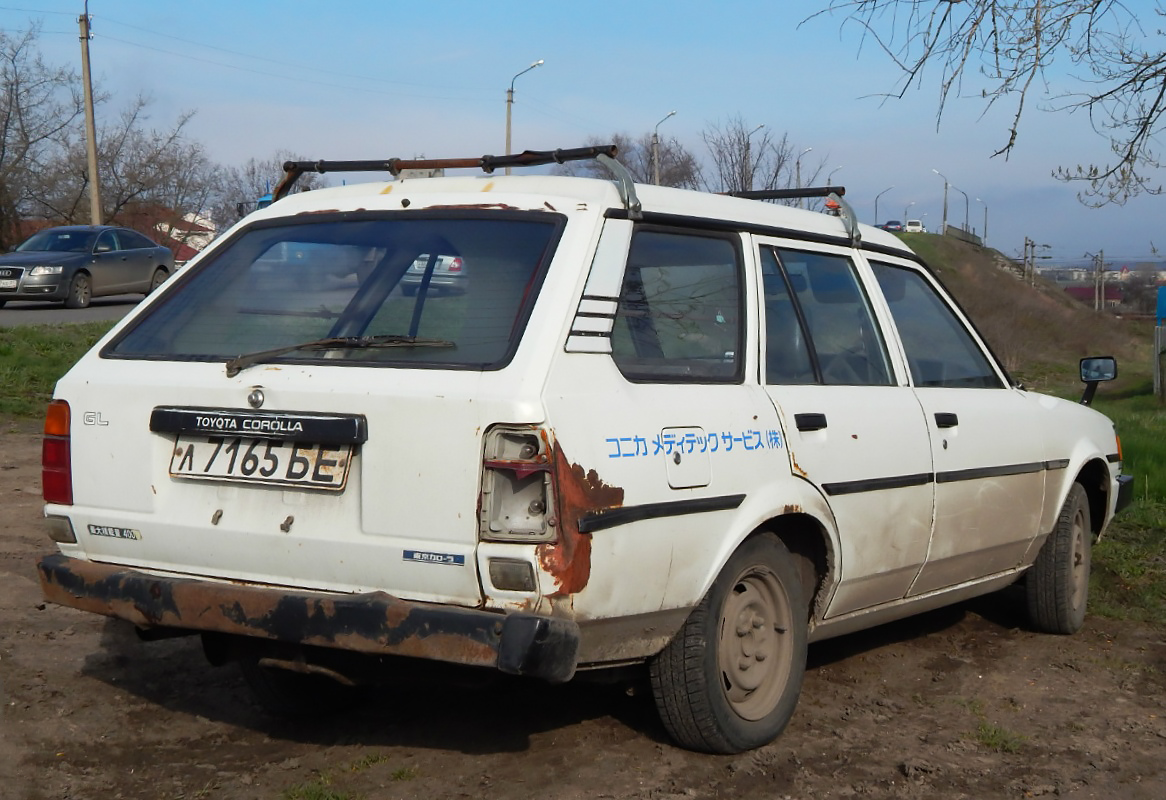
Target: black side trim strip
(601,520)
(988,472)
(1057,463)
(876,484)
(1113,458)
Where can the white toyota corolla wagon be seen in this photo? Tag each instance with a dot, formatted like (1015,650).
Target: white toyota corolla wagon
(674,432)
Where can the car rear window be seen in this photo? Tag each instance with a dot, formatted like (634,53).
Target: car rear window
(279,284)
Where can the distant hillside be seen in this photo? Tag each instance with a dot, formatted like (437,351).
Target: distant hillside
(1038,331)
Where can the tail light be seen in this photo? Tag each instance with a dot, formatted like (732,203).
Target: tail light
(517,487)
(56,458)
(455,265)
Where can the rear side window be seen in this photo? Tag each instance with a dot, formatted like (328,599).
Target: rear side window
(680,309)
(438,291)
(940,350)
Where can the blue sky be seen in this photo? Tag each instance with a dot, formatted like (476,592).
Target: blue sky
(364,79)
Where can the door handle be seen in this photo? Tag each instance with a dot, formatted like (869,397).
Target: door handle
(810,422)
(945,419)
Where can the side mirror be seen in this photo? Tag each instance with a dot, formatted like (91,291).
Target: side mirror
(1095,370)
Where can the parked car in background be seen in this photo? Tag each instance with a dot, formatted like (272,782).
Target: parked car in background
(914,226)
(447,275)
(893,225)
(76,263)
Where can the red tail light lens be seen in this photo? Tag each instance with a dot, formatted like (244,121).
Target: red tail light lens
(56,458)
(455,265)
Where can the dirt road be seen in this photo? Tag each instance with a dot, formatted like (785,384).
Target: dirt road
(961,703)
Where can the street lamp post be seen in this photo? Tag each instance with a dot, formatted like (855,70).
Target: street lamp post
(965,194)
(747,177)
(510,103)
(798,173)
(877,196)
(985,236)
(946,183)
(831,175)
(905,209)
(656,149)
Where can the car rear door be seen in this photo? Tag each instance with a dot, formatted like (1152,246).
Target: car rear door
(855,429)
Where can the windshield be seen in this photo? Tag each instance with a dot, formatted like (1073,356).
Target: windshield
(58,242)
(463,279)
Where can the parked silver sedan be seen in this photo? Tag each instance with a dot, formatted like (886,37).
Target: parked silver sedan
(76,263)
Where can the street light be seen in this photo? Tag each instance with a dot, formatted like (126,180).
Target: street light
(831,175)
(877,196)
(798,173)
(946,182)
(656,149)
(965,194)
(905,208)
(747,177)
(984,238)
(510,103)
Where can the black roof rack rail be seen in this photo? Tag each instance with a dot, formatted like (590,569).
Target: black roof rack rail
(788,194)
(834,201)
(529,158)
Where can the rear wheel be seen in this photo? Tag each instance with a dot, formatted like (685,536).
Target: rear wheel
(3,303)
(159,278)
(729,680)
(80,292)
(1057,585)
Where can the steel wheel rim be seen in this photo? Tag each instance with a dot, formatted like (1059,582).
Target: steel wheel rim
(754,643)
(1080,565)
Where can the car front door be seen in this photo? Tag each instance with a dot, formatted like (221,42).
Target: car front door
(854,428)
(990,464)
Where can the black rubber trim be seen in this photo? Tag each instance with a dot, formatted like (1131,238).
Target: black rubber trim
(1113,458)
(1125,492)
(876,484)
(1057,463)
(977,473)
(601,520)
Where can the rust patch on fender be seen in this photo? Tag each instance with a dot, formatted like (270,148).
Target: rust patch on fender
(797,468)
(578,492)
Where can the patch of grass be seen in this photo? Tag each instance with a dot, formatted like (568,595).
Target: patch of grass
(34,357)
(999,739)
(364,762)
(318,789)
(404,774)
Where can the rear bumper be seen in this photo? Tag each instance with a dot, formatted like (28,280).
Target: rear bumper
(377,623)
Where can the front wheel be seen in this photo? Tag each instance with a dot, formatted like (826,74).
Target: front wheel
(729,680)
(1057,584)
(80,292)
(157,280)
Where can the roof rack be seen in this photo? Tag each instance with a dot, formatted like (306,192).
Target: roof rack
(833,195)
(605,154)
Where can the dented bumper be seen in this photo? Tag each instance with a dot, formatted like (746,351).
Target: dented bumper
(377,623)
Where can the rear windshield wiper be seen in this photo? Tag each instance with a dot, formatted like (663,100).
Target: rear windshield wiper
(240,363)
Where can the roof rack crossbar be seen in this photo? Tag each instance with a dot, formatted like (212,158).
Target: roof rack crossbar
(788,194)
(528,158)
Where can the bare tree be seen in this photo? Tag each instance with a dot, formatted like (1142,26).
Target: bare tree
(678,166)
(1008,46)
(240,187)
(39,105)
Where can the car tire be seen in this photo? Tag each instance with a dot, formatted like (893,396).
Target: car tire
(729,680)
(3,303)
(80,292)
(157,280)
(283,693)
(1057,585)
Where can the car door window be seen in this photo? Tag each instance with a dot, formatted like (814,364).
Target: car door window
(680,309)
(845,340)
(939,349)
(787,352)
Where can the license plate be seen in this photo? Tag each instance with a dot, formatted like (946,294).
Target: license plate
(8,283)
(267,461)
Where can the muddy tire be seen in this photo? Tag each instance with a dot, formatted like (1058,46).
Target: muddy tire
(730,678)
(283,693)
(157,280)
(80,292)
(1057,585)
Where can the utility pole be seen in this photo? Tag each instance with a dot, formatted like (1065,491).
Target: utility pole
(1099,280)
(90,126)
